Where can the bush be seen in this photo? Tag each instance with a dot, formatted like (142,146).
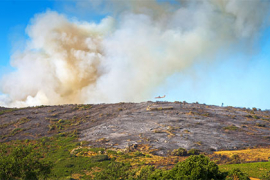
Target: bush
(195,167)
(256,117)
(114,171)
(99,158)
(235,159)
(138,153)
(22,162)
(194,152)
(237,174)
(146,172)
(179,152)
(266,176)
(260,125)
(232,128)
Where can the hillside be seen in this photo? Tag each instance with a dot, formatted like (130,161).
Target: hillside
(158,126)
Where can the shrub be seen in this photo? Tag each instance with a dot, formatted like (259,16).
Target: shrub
(248,116)
(195,167)
(235,159)
(149,156)
(22,162)
(237,174)
(260,125)
(114,171)
(194,152)
(111,152)
(255,117)
(179,152)
(232,128)
(254,109)
(266,176)
(138,153)
(97,150)
(146,172)
(99,158)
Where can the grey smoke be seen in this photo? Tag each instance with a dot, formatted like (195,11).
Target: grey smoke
(127,55)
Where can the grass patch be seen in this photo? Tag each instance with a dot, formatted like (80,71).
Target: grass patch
(2,126)
(256,170)
(16,131)
(83,107)
(61,124)
(19,122)
(249,155)
(13,132)
(231,128)
(256,117)
(7,111)
(23,120)
(59,149)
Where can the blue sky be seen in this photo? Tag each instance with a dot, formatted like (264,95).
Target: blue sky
(14,16)
(235,80)
(240,80)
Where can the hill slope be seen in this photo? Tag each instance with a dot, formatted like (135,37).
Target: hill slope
(162,126)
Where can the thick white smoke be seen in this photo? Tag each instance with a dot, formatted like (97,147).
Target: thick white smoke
(127,57)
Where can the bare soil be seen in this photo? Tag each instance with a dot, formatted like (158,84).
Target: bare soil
(163,126)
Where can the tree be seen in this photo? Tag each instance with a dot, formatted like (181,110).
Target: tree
(195,167)
(22,162)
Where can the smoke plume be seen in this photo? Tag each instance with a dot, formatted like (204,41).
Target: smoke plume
(128,54)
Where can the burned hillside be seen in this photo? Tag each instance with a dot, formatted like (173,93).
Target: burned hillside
(161,126)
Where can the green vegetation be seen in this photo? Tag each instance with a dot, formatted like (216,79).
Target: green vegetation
(256,117)
(83,107)
(179,152)
(6,125)
(114,171)
(56,150)
(22,162)
(19,122)
(138,153)
(23,120)
(231,128)
(194,152)
(13,132)
(193,168)
(61,124)
(257,170)
(7,111)
(63,157)
(184,152)
(237,174)
(260,125)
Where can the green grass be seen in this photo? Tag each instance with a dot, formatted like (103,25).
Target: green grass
(231,128)
(57,149)
(7,111)
(83,107)
(256,170)
(20,121)
(61,124)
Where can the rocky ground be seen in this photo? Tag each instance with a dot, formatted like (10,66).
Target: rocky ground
(163,126)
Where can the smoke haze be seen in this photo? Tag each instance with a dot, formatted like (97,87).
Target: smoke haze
(128,54)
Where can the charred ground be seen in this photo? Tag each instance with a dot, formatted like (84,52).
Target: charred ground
(162,126)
